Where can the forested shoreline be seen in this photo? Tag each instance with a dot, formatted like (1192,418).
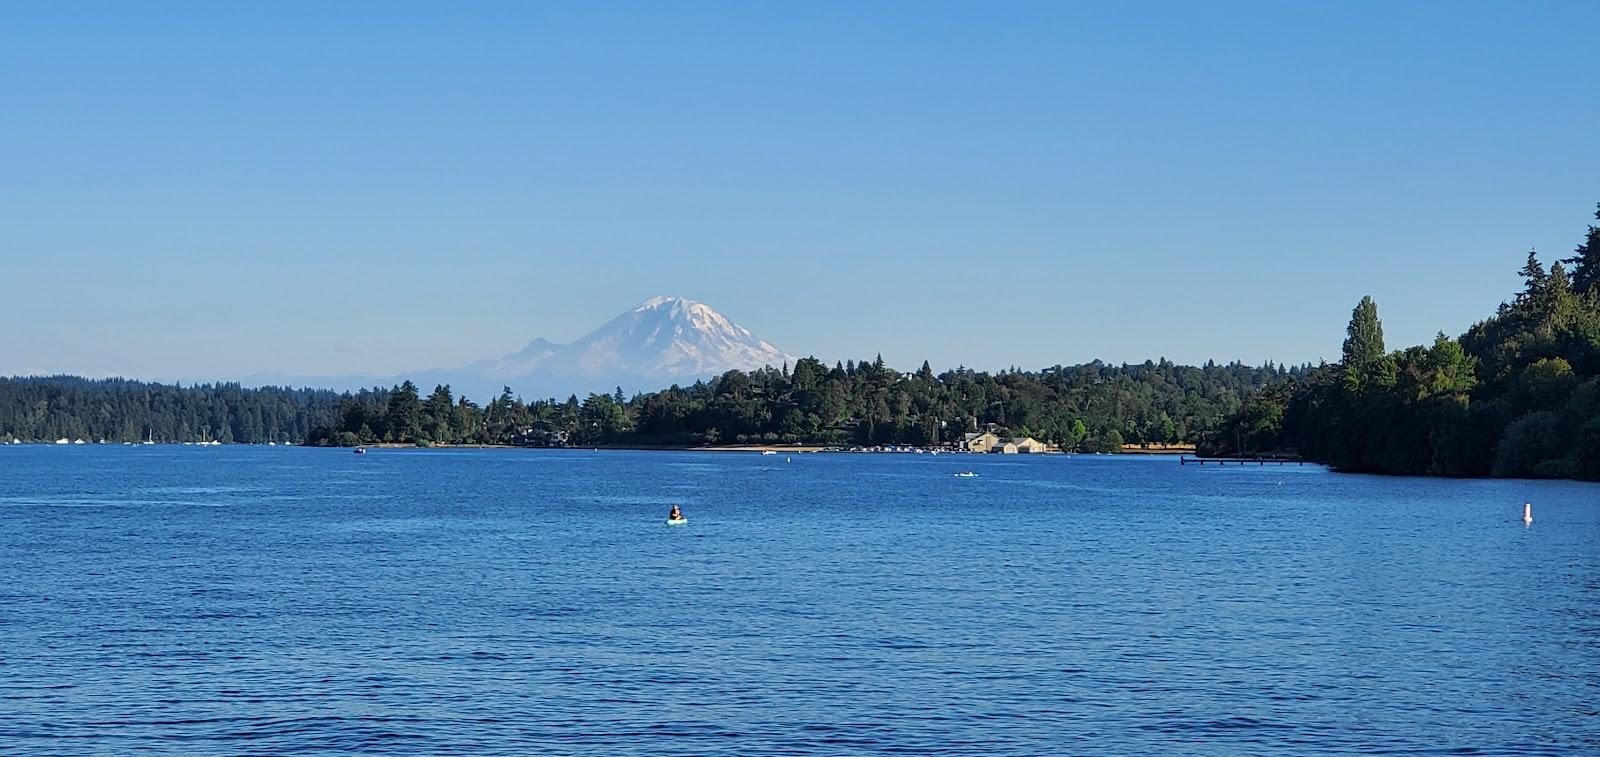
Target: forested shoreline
(1517,395)
(46,408)
(1093,407)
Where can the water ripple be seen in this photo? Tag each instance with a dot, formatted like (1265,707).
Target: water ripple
(517,602)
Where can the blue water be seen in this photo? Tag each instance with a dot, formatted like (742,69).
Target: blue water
(273,600)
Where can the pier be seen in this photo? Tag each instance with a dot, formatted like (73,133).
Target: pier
(1196,460)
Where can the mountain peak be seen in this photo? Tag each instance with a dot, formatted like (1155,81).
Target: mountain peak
(665,301)
(682,307)
(663,340)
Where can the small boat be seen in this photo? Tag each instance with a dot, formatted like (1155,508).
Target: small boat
(62,440)
(769,452)
(677,521)
(361,450)
(966,474)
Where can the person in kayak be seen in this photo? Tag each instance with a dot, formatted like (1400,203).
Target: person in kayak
(676,514)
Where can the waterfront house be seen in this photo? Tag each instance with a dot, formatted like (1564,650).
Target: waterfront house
(988,442)
(1027,444)
(983,442)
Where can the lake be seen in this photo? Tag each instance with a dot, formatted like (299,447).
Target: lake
(236,599)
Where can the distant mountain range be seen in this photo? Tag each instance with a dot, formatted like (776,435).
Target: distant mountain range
(663,341)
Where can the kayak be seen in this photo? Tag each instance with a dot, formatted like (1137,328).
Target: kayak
(677,521)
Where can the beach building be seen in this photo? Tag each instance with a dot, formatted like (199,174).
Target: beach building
(983,442)
(988,442)
(1027,444)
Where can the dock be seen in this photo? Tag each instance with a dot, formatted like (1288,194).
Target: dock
(1276,460)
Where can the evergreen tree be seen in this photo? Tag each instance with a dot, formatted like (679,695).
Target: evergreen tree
(1363,344)
(1517,395)
(404,417)
(807,372)
(1533,279)
(1557,284)
(440,415)
(1586,260)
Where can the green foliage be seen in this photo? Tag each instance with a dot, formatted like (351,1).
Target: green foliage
(1530,441)
(1086,406)
(1586,450)
(1256,427)
(1091,406)
(1585,260)
(119,410)
(1517,395)
(404,416)
(1364,359)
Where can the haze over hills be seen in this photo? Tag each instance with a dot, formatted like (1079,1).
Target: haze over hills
(662,341)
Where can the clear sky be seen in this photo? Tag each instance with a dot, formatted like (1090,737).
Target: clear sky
(209,190)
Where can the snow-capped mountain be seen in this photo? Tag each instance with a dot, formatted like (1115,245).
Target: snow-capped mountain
(663,341)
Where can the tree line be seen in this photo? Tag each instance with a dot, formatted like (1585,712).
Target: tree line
(1089,407)
(1517,395)
(1093,407)
(47,408)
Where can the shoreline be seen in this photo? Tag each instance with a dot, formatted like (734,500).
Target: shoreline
(759,448)
(1172,450)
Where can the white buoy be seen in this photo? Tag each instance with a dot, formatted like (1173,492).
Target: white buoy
(1527,513)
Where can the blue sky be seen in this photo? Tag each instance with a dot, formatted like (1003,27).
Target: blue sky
(211,190)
